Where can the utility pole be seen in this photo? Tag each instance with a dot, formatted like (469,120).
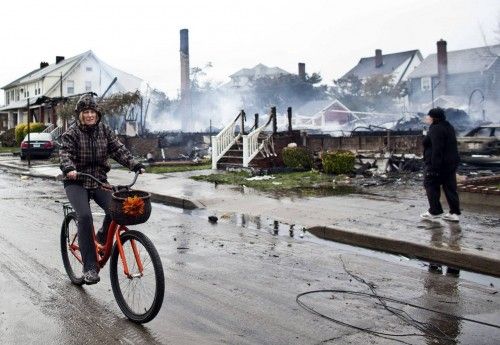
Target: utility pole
(29,144)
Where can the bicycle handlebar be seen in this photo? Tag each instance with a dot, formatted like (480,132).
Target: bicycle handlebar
(115,188)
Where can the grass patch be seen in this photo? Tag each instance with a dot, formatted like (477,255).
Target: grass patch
(176,168)
(9,149)
(310,183)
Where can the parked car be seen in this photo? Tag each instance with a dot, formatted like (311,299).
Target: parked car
(481,145)
(40,145)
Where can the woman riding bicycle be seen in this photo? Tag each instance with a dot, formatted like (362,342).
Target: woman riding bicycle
(86,147)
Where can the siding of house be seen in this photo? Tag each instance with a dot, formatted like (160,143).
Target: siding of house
(493,81)
(461,85)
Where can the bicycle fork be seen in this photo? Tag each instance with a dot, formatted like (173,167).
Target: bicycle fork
(124,258)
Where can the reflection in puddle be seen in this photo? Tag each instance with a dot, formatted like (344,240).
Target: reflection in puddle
(299,233)
(304,192)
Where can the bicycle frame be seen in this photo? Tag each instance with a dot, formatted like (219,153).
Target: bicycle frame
(103,252)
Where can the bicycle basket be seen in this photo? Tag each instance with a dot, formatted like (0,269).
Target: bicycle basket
(130,207)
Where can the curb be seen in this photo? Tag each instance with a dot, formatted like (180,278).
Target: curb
(12,166)
(175,201)
(159,198)
(456,259)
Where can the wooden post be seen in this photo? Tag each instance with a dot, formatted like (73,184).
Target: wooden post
(289,112)
(242,115)
(256,123)
(304,139)
(275,122)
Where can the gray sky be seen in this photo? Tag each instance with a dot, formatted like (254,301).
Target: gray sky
(142,37)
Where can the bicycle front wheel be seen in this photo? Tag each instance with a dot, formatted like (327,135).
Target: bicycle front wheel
(138,294)
(72,259)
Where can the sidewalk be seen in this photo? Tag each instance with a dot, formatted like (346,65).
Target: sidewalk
(387,221)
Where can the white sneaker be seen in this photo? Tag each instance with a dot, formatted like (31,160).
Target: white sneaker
(451,217)
(429,216)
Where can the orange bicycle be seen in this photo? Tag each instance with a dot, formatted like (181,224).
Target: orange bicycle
(136,271)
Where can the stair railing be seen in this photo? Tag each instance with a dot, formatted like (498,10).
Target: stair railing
(251,145)
(223,141)
(56,132)
(49,128)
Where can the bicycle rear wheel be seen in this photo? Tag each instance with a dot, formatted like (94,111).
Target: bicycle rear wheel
(69,249)
(139,295)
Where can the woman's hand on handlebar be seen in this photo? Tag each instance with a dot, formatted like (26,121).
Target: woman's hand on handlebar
(72,175)
(139,168)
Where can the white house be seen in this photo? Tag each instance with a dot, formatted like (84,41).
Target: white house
(397,65)
(64,78)
(246,76)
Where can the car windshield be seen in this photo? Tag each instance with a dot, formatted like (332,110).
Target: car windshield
(38,136)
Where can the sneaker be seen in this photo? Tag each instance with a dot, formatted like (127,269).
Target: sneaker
(429,216)
(91,277)
(435,268)
(451,217)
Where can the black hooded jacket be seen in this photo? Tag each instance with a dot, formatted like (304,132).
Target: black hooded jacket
(440,148)
(87,149)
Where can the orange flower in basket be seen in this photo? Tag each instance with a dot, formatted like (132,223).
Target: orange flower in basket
(133,206)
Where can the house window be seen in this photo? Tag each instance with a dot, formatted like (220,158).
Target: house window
(425,83)
(70,87)
(88,68)
(88,86)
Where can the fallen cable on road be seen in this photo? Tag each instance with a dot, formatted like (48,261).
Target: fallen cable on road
(428,330)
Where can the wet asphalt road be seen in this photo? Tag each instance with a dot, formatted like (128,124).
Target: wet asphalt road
(225,284)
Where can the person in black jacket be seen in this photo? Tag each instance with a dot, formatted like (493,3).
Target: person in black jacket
(440,166)
(86,147)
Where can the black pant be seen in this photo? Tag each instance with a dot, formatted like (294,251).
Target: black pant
(433,184)
(79,197)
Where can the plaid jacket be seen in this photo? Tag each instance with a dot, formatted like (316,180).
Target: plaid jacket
(87,150)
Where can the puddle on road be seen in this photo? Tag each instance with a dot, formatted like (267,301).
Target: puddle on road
(299,233)
(297,192)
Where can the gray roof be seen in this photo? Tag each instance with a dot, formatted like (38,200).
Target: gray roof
(314,107)
(259,71)
(41,72)
(460,61)
(366,66)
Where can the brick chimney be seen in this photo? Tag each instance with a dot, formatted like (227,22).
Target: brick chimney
(378,58)
(59,59)
(43,64)
(442,65)
(302,71)
(185,81)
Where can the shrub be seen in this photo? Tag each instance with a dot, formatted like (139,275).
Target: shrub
(297,158)
(339,162)
(22,130)
(8,138)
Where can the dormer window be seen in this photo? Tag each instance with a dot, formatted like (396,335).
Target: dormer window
(88,69)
